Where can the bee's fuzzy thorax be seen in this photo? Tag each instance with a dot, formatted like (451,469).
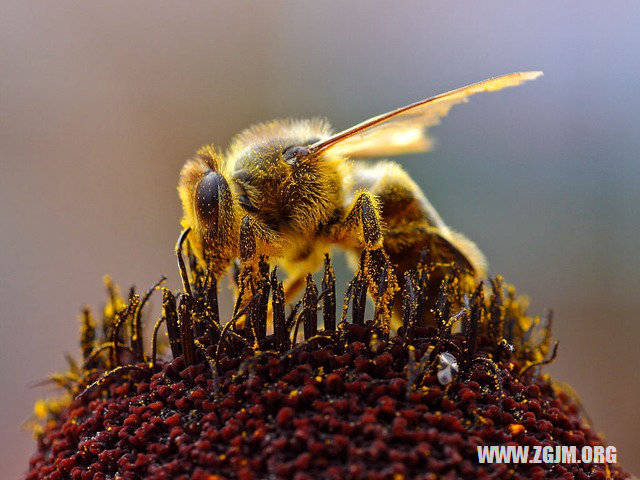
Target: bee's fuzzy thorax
(281,132)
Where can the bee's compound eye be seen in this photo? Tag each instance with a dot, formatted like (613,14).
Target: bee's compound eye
(210,189)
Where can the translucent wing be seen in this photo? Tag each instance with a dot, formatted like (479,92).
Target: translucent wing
(404,130)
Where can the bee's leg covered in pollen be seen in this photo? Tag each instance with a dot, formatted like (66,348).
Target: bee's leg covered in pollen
(247,239)
(363,220)
(362,223)
(257,239)
(245,272)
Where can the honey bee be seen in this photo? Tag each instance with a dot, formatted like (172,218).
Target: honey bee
(290,190)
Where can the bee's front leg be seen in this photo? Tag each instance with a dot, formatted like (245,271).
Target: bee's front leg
(246,271)
(258,240)
(248,233)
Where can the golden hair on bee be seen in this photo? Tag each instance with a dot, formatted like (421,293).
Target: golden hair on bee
(282,132)
(291,190)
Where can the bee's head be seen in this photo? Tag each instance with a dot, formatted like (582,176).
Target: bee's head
(210,209)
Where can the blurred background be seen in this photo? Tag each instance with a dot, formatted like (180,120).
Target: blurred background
(102,102)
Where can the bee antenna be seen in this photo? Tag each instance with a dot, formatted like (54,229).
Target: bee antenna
(183,269)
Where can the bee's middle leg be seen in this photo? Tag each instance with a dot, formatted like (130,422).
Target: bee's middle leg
(362,222)
(362,226)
